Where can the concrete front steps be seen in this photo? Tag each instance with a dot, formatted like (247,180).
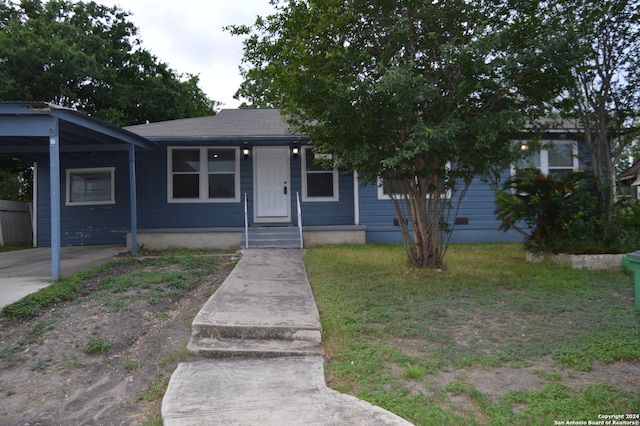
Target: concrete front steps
(224,341)
(283,235)
(264,309)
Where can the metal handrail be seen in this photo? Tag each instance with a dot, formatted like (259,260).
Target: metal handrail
(300,219)
(246,223)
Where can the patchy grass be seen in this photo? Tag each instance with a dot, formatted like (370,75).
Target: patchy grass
(151,279)
(65,289)
(384,323)
(96,344)
(173,252)
(4,249)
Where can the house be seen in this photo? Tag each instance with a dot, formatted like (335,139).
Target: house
(631,177)
(234,179)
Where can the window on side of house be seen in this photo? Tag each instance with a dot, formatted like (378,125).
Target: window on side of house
(393,185)
(91,186)
(318,182)
(396,187)
(560,159)
(203,174)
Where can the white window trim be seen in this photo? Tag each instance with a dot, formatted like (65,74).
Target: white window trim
(111,170)
(544,157)
(336,181)
(383,196)
(203,176)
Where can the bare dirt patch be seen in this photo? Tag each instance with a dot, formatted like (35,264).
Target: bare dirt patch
(96,362)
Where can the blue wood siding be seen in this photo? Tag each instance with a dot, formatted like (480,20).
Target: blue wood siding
(476,209)
(91,224)
(156,212)
(318,213)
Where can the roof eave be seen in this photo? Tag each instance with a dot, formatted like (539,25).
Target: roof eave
(201,139)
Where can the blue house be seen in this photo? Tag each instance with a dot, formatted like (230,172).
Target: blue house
(236,179)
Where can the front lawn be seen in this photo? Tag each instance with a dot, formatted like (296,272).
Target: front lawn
(491,340)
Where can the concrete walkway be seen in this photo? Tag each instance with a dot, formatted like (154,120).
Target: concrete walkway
(23,272)
(261,361)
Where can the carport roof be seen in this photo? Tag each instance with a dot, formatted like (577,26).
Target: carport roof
(25,128)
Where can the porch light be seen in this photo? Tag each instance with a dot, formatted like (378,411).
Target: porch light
(295,151)
(246,151)
(524,147)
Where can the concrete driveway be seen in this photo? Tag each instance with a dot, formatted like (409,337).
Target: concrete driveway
(24,272)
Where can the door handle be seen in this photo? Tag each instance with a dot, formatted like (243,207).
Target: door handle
(285,188)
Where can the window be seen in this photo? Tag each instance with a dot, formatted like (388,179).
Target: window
(318,183)
(203,174)
(560,159)
(91,186)
(395,185)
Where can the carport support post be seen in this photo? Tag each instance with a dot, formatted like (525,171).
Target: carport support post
(54,184)
(134,198)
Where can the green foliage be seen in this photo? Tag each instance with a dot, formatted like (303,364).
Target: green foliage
(8,350)
(158,280)
(559,401)
(40,364)
(603,97)
(622,345)
(154,391)
(154,419)
(414,372)
(427,94)
(132,365)
(96,344)
(176,355)
(29,306)
(566,214)
(88,56)
(16,179)
(4,249)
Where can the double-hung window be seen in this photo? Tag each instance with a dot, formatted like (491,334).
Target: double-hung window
(559,159)
(396,186)
(319,183)
(91,186)
(203,174)
(389,184)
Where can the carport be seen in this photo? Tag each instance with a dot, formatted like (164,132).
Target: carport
(29,129)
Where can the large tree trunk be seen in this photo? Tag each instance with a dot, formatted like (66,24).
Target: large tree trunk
(424,219)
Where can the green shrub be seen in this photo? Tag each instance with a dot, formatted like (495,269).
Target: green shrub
(566,214)
(96,344)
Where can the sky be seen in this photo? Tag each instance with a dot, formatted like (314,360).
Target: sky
(188,35)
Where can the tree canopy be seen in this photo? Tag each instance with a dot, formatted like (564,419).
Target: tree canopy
(604,97)
(89,56)
(421,97)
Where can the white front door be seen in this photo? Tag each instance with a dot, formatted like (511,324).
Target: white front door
(271,184)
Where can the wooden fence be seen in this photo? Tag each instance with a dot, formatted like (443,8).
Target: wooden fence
(15,223)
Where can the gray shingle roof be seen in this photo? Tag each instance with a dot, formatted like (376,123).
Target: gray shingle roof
(243,122)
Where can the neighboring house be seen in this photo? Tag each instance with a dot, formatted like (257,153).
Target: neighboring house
(194,179)
(632,178)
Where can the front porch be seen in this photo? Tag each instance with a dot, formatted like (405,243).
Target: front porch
(234,237)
